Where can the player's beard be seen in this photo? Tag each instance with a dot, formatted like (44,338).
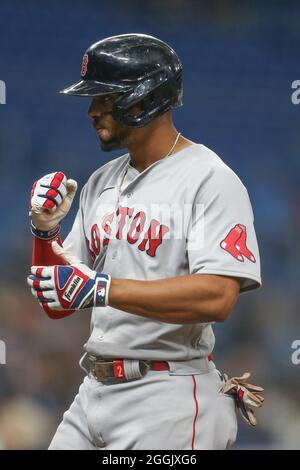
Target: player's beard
(117,140)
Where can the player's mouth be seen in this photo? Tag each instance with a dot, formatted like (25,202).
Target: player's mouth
(103,133)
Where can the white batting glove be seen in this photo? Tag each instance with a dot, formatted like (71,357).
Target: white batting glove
(51,199)
(247,396)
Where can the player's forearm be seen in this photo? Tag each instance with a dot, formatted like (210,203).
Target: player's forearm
(50,201)
(42,253)
(184,299)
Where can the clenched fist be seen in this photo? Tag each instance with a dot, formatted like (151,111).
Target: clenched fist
(51,199)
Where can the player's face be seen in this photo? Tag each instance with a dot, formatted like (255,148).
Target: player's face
(112,134)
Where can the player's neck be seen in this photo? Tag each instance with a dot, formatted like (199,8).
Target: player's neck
(155,145)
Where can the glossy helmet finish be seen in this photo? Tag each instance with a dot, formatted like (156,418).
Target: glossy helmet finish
(141,68)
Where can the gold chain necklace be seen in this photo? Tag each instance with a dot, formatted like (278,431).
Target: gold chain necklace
(123,175)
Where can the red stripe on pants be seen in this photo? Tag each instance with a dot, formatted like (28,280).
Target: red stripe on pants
(196,413)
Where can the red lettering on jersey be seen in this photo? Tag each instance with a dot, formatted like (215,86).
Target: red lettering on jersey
(235,243)
(153,238)
(136,227)
(95,236)
(92,255)
(123,211)
(106,227)
(85,61)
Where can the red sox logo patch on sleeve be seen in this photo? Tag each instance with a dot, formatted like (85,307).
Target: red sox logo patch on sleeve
(235,243)
(84,65)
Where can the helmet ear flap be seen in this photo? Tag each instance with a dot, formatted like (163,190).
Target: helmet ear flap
(154,101)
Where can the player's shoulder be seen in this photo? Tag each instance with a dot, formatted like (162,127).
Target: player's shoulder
(212,167)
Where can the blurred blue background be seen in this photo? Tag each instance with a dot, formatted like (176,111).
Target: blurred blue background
(240,59)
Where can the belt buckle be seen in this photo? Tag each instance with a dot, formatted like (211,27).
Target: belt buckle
(99,369)
(103,370)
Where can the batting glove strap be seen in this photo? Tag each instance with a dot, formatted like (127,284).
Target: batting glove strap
(247,396)
(101,291)
(45,234)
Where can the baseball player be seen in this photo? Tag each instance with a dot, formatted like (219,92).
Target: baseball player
(162,244)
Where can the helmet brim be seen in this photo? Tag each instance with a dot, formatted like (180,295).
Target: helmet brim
(93,88)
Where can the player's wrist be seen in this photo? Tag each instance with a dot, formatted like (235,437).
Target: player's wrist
(102,287)
(49,234)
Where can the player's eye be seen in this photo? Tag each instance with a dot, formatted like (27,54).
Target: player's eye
(108,99)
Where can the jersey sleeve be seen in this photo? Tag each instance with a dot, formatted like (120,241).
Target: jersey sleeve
(75,242)
(221,237)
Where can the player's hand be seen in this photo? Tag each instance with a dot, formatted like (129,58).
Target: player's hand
(51,199)
(71,287)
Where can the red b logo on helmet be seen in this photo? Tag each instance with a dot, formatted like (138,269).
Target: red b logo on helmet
(84,65)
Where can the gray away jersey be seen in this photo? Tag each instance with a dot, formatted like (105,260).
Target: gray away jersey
(186,214)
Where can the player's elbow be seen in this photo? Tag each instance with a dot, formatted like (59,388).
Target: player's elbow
(221,314)
(219,299)
(223,297)
(214,310)
(224,306)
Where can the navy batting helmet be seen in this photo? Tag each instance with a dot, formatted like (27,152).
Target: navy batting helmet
(141,68)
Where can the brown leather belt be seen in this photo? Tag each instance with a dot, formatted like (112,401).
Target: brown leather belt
(122,370)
